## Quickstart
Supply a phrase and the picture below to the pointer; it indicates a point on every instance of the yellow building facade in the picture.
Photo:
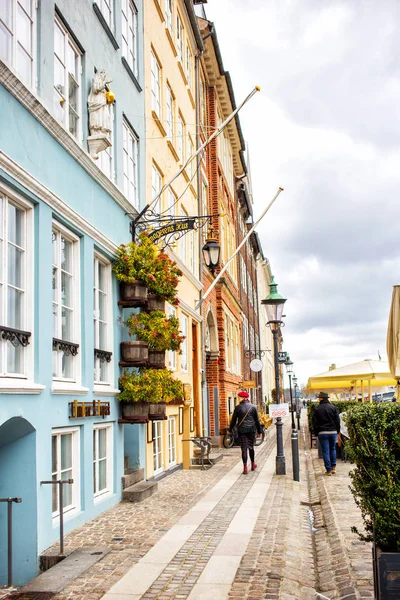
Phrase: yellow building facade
(171, 43)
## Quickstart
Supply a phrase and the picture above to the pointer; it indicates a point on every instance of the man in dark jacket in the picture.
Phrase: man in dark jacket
(326, 425)
(245, 416)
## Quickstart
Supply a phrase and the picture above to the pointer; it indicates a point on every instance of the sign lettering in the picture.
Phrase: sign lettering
(174, 226)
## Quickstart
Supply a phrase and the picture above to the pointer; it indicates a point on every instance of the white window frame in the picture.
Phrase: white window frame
(130, 144)
(11, 29)
(184, 362)
(170, 113)
(75, 294)
(179, 38)
(108, 490)
(63, 97)
(130, 35)
(168, 16)
(157, 447)
(190, 152)
(172, 440)
(26, 314)
(105, 162)
(180, 138)
(74, 507)
(156, 186)
(171, 354)
(189, 67)
(107, 292)
(107, 10)
(156, 85)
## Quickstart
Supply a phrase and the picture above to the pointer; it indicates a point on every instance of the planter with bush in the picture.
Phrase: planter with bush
(374, 447)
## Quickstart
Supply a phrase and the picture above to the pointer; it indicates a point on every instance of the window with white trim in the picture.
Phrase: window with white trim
(171, 354)
(179, 38)
(190, 152)
(168, 15)
(171, 203)
(180, 138)
(130, 34)
(106, 7)
(130, 164)
(67, 80)
(105, 162)
(17, 37)
(102, 459)
(65, 460)
(184, 346)
(245, 332)
(170, 114)
(189, 69)
(14, 271)
(171, 441)
(157, 446)
(65, 303)
(156, 185)
(251, 328)
(155, 85)
(102, 320)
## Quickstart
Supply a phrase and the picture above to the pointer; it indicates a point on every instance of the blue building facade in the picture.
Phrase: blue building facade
(62, 216)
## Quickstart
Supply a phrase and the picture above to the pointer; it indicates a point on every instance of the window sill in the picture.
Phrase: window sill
(104, 390)
(68, 388)
(131, 73)
(159, 10)
(105, 25)
(19, 386)
(174, 152)
(158, 122)
(171, 41)
(105, 496)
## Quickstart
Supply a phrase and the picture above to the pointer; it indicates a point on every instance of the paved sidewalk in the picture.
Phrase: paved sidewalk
(220, 535)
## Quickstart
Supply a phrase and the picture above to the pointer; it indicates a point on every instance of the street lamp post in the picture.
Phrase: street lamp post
(274, 303)
(295, 439)
(298, 409)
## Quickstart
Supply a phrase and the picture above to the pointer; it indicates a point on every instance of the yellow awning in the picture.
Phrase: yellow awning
(375, 373)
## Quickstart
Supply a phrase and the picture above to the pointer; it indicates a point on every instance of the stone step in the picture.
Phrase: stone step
(214, 458)
(139, 491)
(131, 477)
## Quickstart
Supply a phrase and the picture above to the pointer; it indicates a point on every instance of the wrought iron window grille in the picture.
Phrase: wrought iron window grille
(15, 336)
(103, 355)
(69, 348)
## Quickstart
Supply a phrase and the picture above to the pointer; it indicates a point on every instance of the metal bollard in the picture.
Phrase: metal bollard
(295, 456)
(9, 534)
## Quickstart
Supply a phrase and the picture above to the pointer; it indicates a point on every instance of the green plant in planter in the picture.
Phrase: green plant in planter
(160, 332)
(374, 447)
(149, 385)
(146, 262)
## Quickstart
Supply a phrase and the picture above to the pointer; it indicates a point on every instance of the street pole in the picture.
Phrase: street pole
(295, 439)
(280, 465)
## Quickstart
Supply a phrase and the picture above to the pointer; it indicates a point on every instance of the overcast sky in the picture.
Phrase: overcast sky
(325, 127)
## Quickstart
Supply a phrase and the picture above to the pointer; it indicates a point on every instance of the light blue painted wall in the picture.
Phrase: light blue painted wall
(27, 461)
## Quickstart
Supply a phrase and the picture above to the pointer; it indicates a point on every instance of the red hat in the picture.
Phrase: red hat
(243, 395)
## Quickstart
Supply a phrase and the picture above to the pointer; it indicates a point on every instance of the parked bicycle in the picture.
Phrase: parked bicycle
(230, 440)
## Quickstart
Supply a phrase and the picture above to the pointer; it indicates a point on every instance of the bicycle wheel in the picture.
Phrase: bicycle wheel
(259, 440)
(228, 440)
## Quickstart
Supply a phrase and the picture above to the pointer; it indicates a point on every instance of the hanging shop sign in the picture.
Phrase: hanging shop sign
(256, 365)
(282, 356)
(278, 410)
(248, 384)
(172, 227)
(78, 410)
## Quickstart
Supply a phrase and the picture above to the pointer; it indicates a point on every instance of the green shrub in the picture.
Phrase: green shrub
(149, 385)
(374, 446)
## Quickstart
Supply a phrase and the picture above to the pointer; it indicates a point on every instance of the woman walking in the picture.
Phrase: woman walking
(245, 418)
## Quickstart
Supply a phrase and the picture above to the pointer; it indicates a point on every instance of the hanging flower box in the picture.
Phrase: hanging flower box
(155, 303)
(135, 412)
(156, 360)
(134, 353)
(133, 293)
(158, 412)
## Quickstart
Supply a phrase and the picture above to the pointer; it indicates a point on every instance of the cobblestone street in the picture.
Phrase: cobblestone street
(217, 534)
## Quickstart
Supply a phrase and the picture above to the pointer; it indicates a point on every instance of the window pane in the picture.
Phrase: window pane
(55, 321)
(14, 358)
(66, 254)
(14, 309)
(66, 366)
(14, 266)
(102, 443)
(54, 494)
(24, 29)
(102, 336)
(59, 42)
(94, 478)
(66, 289)
(102, 306)
(102, 277)
(102, 475)
(67, 489)
(5, 43)
(66, 451)
(54, 454)
(27, 5)
(66, 329)
(15, 225)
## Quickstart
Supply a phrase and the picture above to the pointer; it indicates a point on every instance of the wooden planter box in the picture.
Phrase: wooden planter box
(157, 412)
(386, 567)
(133, 294)
(156, 360)
(134, 354)
(135, 412)
(155, 303)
